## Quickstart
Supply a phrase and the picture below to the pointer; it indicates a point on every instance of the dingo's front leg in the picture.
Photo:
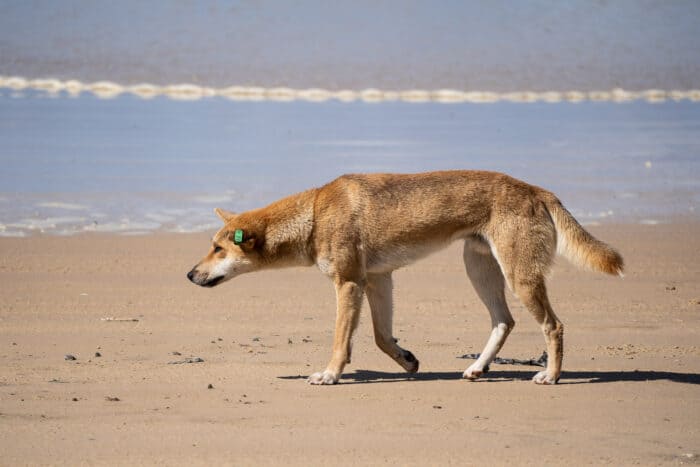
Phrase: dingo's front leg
(349, 295)
(379, 295)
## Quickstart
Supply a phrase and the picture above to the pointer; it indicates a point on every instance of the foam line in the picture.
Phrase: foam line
(109, 89)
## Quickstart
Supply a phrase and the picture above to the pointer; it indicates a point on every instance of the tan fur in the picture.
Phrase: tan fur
(359, 228)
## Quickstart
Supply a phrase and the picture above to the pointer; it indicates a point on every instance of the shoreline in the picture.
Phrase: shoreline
(30, 232)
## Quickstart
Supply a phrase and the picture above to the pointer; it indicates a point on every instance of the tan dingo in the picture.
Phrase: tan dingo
(359, 228)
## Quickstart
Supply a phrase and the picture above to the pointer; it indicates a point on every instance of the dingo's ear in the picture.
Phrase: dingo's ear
(246, 242)
(224, 215)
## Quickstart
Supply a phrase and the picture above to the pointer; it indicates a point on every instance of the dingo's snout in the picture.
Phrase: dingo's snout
(202, 278)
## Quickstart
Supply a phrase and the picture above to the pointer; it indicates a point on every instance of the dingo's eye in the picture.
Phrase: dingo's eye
(217, 248)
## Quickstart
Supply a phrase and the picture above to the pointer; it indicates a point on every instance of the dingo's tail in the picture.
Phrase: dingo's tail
(579, 246)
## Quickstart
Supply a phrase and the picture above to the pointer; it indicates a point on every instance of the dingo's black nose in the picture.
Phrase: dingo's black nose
(190, 275)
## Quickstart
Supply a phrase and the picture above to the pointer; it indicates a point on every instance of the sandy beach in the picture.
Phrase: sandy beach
(124, 124)
(629, 393)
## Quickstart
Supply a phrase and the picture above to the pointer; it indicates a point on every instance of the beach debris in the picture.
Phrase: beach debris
(210, 386)
(289, 340)
(75, 399)
(97, 354)
(542, 361)
(671, 288)
(437, 407)
(187, 360)
(176, 353)
(306, 340)
(112, 399)
(55, 380)
(111, 318)
(256, 339)
(244, 402)
(69, 357)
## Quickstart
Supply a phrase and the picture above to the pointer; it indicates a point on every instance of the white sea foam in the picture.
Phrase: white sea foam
(186, 91)
(59, 205)
(124, 225)
(161, 218)
(191, 228)
(12, 233)
(44, 224)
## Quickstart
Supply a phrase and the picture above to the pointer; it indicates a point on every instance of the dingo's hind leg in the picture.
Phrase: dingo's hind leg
(486, 276)
(533, 294)
(379, 295)
(526, 250)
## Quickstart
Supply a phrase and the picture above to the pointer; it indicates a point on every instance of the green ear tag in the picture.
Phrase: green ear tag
(238, 237)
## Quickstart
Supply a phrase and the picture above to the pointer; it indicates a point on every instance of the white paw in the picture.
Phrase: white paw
(325, 377)
(473, 372)
(543, 378)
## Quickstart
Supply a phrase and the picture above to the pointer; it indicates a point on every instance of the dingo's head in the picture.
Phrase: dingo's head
(233, 252)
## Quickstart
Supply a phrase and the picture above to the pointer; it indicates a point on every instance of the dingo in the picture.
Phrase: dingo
(359, 228)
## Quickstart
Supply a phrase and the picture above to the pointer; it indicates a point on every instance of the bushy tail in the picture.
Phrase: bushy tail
(580, 247)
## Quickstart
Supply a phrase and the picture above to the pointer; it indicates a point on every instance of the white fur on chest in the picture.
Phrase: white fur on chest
(325, 266)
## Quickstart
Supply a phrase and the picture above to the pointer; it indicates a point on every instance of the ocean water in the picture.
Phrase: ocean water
(475, 45)
(133, 166)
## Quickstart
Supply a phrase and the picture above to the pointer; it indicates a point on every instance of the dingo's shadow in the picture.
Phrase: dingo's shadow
(567, 377)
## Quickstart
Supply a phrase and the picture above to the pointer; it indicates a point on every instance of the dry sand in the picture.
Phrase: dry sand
(630, 392)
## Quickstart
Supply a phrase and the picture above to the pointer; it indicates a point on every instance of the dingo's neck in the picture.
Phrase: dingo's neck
(289, 226)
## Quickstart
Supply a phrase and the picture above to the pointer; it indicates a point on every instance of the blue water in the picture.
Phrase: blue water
(131, 165)
(495, 45)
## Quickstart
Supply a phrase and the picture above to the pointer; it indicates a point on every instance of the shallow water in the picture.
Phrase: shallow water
(131, 165)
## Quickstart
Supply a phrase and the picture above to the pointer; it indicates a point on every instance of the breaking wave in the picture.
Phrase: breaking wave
(109, 89)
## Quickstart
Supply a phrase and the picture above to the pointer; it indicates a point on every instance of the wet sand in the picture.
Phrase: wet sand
(629, 394)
